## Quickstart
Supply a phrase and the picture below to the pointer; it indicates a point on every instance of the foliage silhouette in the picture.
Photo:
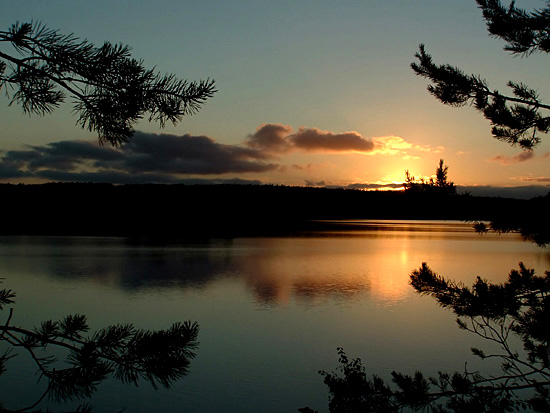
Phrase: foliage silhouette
(154, 207)
(111, 90)
(520, 307)
(521, 123)
(440, 186)
(532, 224)
(520, 118)
(119, 351)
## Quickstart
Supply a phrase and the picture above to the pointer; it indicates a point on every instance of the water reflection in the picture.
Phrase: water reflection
(443, 227)
(271, 310)
(312, 270)
(118, 262)
(145, 269)
(353, 260)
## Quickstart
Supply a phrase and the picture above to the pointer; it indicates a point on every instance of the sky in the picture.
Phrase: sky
(310, 92)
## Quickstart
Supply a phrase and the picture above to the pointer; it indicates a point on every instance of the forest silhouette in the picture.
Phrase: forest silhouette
(179, 211)
(183, 211)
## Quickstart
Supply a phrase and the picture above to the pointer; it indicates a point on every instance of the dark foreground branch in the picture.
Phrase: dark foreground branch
(518, 307)
(119, 351)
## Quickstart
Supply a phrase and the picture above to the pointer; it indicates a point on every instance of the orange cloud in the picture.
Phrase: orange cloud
(395, 145)
(313, 139)
(510, 160)
(392, 145)
(277, 138)
(532, 178)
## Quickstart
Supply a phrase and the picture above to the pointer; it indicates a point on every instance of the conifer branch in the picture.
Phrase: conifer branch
(111, 90)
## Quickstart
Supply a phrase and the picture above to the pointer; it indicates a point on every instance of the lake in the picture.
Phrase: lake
(272, 311)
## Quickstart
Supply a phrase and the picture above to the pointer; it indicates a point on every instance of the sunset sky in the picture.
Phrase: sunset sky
(309, 93)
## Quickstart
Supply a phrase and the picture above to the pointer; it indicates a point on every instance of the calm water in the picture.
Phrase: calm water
(271, 310)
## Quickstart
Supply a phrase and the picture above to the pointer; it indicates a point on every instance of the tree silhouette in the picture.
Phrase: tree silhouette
(519, 118)
(532, 224)
(120, 351)
(440, 186)
(498, 313)
(111, 90)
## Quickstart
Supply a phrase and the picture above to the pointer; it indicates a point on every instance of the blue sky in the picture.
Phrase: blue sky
(322, 67)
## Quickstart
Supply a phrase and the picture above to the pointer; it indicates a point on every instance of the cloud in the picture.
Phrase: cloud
(64, 155)
(313, 139)
(374, 186)
(113, 177)
(146, 158)
(8, 170)
(187, 154)
(270, 137)
(532, 178)
(312, 183)
(166, 158)
(510, 160)
(392, 144)
(278, 138)
(395, 145)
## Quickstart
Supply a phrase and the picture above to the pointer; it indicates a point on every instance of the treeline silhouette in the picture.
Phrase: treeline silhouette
(221, 210)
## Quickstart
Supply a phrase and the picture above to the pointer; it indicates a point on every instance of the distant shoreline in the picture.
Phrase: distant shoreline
(218, 210)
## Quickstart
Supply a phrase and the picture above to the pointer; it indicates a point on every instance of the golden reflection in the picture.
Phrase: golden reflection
(370, 258)
(314, 269)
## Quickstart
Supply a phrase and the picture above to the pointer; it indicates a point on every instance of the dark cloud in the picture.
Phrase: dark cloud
(190, 155)
(371, 186)
(9, 170)
(214, 181)
(112, 177)
(319, 183)
(509, 160)
(146, 158)
(69, 155)
(314, 139)
(278, 138)
(165, 158)
(365, 186)
(125, 178)
(270, 137)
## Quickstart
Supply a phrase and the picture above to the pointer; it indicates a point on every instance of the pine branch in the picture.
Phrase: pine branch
(111, 90)
(517, 125)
